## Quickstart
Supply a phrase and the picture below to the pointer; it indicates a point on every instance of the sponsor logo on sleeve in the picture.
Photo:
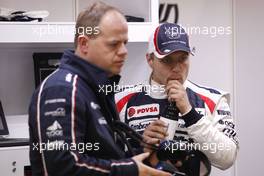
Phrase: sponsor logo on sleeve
(55, 130)
(57, 100)
(223, 112)
(227, 123)
(231, 133)
(59, 112)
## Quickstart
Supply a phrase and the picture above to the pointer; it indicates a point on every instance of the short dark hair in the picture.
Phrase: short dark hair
(91, 17)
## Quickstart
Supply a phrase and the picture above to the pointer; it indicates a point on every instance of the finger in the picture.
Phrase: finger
(159, 123)
(169, 86)
(175, 96)
(173, 81)
(141, 157)
(174, 91)
(154, 134)
(157, 129)
(152, 141)
(175, 87)
(178, 97)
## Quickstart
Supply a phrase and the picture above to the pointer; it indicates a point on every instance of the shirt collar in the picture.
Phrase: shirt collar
(88, 71)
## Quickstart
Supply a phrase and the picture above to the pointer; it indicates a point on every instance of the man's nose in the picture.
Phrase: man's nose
(176, 66)
(122, 50)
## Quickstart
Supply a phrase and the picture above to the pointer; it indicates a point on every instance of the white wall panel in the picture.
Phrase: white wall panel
(249, 85)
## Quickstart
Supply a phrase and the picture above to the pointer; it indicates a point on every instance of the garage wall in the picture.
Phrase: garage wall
(249, 84)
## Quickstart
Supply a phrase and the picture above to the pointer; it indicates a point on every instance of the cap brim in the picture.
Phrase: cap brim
(160, 56)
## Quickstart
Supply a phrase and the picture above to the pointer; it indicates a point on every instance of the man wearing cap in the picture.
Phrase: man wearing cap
(204, 113)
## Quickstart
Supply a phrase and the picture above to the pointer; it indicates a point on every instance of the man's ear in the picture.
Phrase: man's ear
(83, 43)
(150, 58)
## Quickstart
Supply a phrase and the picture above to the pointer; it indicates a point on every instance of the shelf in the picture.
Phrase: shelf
(53, 32)
(19, 40)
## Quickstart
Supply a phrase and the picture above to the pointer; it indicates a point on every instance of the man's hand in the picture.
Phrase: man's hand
(176, 92)
(144, 170)
(154, 133)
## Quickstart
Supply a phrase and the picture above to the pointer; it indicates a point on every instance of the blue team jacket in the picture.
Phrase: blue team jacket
(70, 118)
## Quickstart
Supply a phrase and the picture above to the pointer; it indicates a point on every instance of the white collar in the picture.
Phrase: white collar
(156, 90)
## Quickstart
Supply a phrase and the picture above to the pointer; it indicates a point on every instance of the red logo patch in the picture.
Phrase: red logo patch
(143, 110)
(131, 112)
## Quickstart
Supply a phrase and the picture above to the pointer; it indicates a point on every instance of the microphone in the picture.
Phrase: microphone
(170, 117)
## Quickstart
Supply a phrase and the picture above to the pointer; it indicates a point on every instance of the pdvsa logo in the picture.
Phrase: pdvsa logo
(143, 110)
(131, 112)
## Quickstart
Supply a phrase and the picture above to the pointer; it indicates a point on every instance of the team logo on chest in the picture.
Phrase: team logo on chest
(143, 110)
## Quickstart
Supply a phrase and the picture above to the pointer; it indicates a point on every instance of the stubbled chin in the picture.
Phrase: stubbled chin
(116, 71)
